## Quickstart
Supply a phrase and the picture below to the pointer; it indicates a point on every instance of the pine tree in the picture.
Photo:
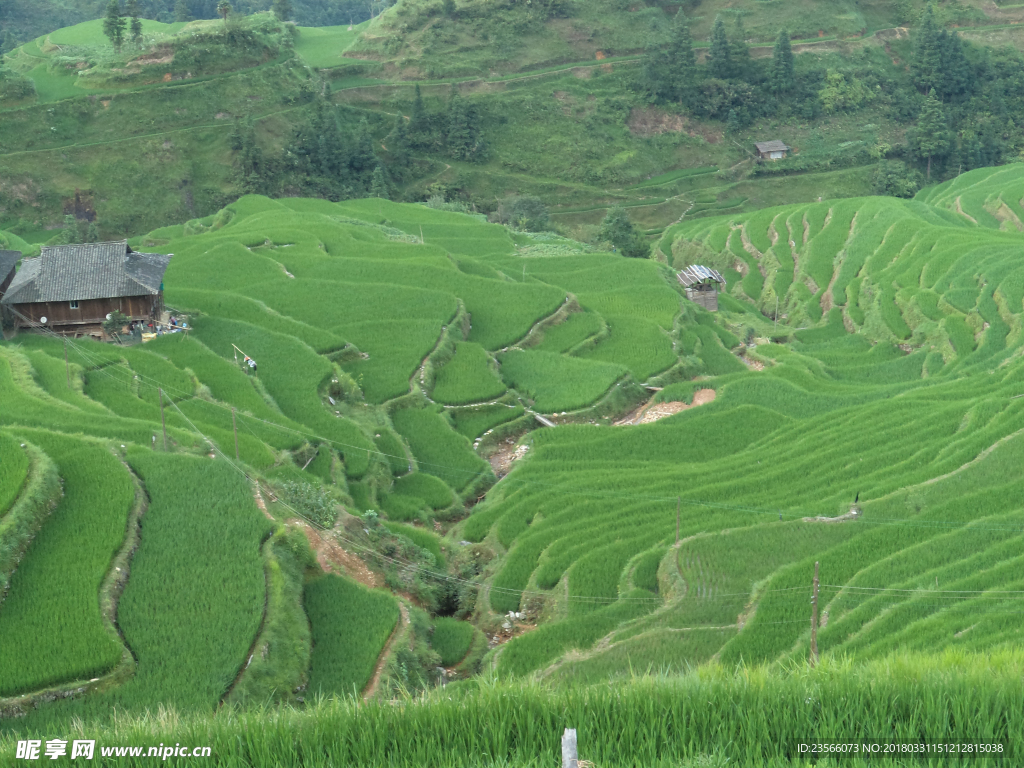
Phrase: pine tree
(397, 143)
(114, 24)
(927, 56)
(681, 63)
(459, 139)
(379, 184)
(282, 9)
(956, 75)
(131, 9)
(419, 121)
(363, 159)
(930, 138)
(720, 56)
(780, 74)
(742, 64)
(181, 11)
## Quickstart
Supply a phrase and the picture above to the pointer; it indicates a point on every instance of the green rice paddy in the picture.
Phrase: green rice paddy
(876, 429)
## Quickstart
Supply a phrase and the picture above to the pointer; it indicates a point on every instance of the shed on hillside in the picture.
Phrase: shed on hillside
(76, 285)
(771, 150)
(701, 284)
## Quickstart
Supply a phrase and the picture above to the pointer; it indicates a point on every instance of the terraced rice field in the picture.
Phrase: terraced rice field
(875, 426)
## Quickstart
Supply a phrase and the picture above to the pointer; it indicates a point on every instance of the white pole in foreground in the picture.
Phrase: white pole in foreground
(570, 758)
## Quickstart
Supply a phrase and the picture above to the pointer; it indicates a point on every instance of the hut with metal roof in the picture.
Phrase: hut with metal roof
(79, 285)
(771, 150)
(701, 284)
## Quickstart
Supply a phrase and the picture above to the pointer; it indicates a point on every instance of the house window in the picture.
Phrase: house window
(74, 305)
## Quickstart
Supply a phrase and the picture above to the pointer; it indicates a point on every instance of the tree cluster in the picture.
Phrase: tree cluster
(732, 86)
(454, 131)
(324, 158)
(625, 237)
(121, 24)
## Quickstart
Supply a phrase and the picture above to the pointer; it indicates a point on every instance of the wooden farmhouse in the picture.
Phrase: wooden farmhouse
(8, 260)
(771, 150)
(701, 284)
(79, 285)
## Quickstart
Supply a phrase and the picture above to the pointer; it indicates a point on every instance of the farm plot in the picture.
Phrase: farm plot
(350, 626)
(13, 470)
(438, 450)
(468, 377)
(51, 628)
(555, 382)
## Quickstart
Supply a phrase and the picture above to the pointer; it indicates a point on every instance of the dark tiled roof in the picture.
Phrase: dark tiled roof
(771, 146)
(7, 261)
(82, 272)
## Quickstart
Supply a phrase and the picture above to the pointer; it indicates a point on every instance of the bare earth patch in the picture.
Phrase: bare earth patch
(652, 412)
(371, 687)
(503, 459)
(333, 558)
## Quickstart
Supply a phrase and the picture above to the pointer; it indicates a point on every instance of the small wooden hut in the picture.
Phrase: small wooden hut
(771, 150)
(79, 285)
(701, 284)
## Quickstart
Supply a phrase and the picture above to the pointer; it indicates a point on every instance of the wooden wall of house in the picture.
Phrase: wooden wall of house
(705, 298)
(91, 311)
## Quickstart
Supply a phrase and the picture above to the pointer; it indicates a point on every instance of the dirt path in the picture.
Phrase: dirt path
(652, 412)
(334, 558)
(371, 687)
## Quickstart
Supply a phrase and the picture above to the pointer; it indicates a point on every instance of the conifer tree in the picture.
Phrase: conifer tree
(419, 121)
(181, 11)
(282, 9)
(780, 74)
(680, 59)
(397, 143)
(742, 64)
(131, 9)
(927, 57)
(930, 138)
(379, 184)
(720, 56)
(114, 24)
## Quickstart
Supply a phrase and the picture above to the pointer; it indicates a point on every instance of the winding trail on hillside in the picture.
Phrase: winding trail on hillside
(378, 670)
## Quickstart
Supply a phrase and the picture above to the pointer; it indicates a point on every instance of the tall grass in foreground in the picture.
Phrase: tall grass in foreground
(754, 716)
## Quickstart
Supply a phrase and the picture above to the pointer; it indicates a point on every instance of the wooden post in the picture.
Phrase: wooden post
(776, 314)
(67, 368)
(163, 421)
(679, 507)
(570, 757)
(814, 619)
(234, 426)
(422, 241)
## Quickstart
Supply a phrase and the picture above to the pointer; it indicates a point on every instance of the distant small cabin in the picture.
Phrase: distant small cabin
(79, 285)
(701, 284)
(771, 150)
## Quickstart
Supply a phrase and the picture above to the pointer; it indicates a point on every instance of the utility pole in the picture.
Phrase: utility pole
(234, 426)
(679, 507)
(163, 421)
(67, 368)
(814, 619)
